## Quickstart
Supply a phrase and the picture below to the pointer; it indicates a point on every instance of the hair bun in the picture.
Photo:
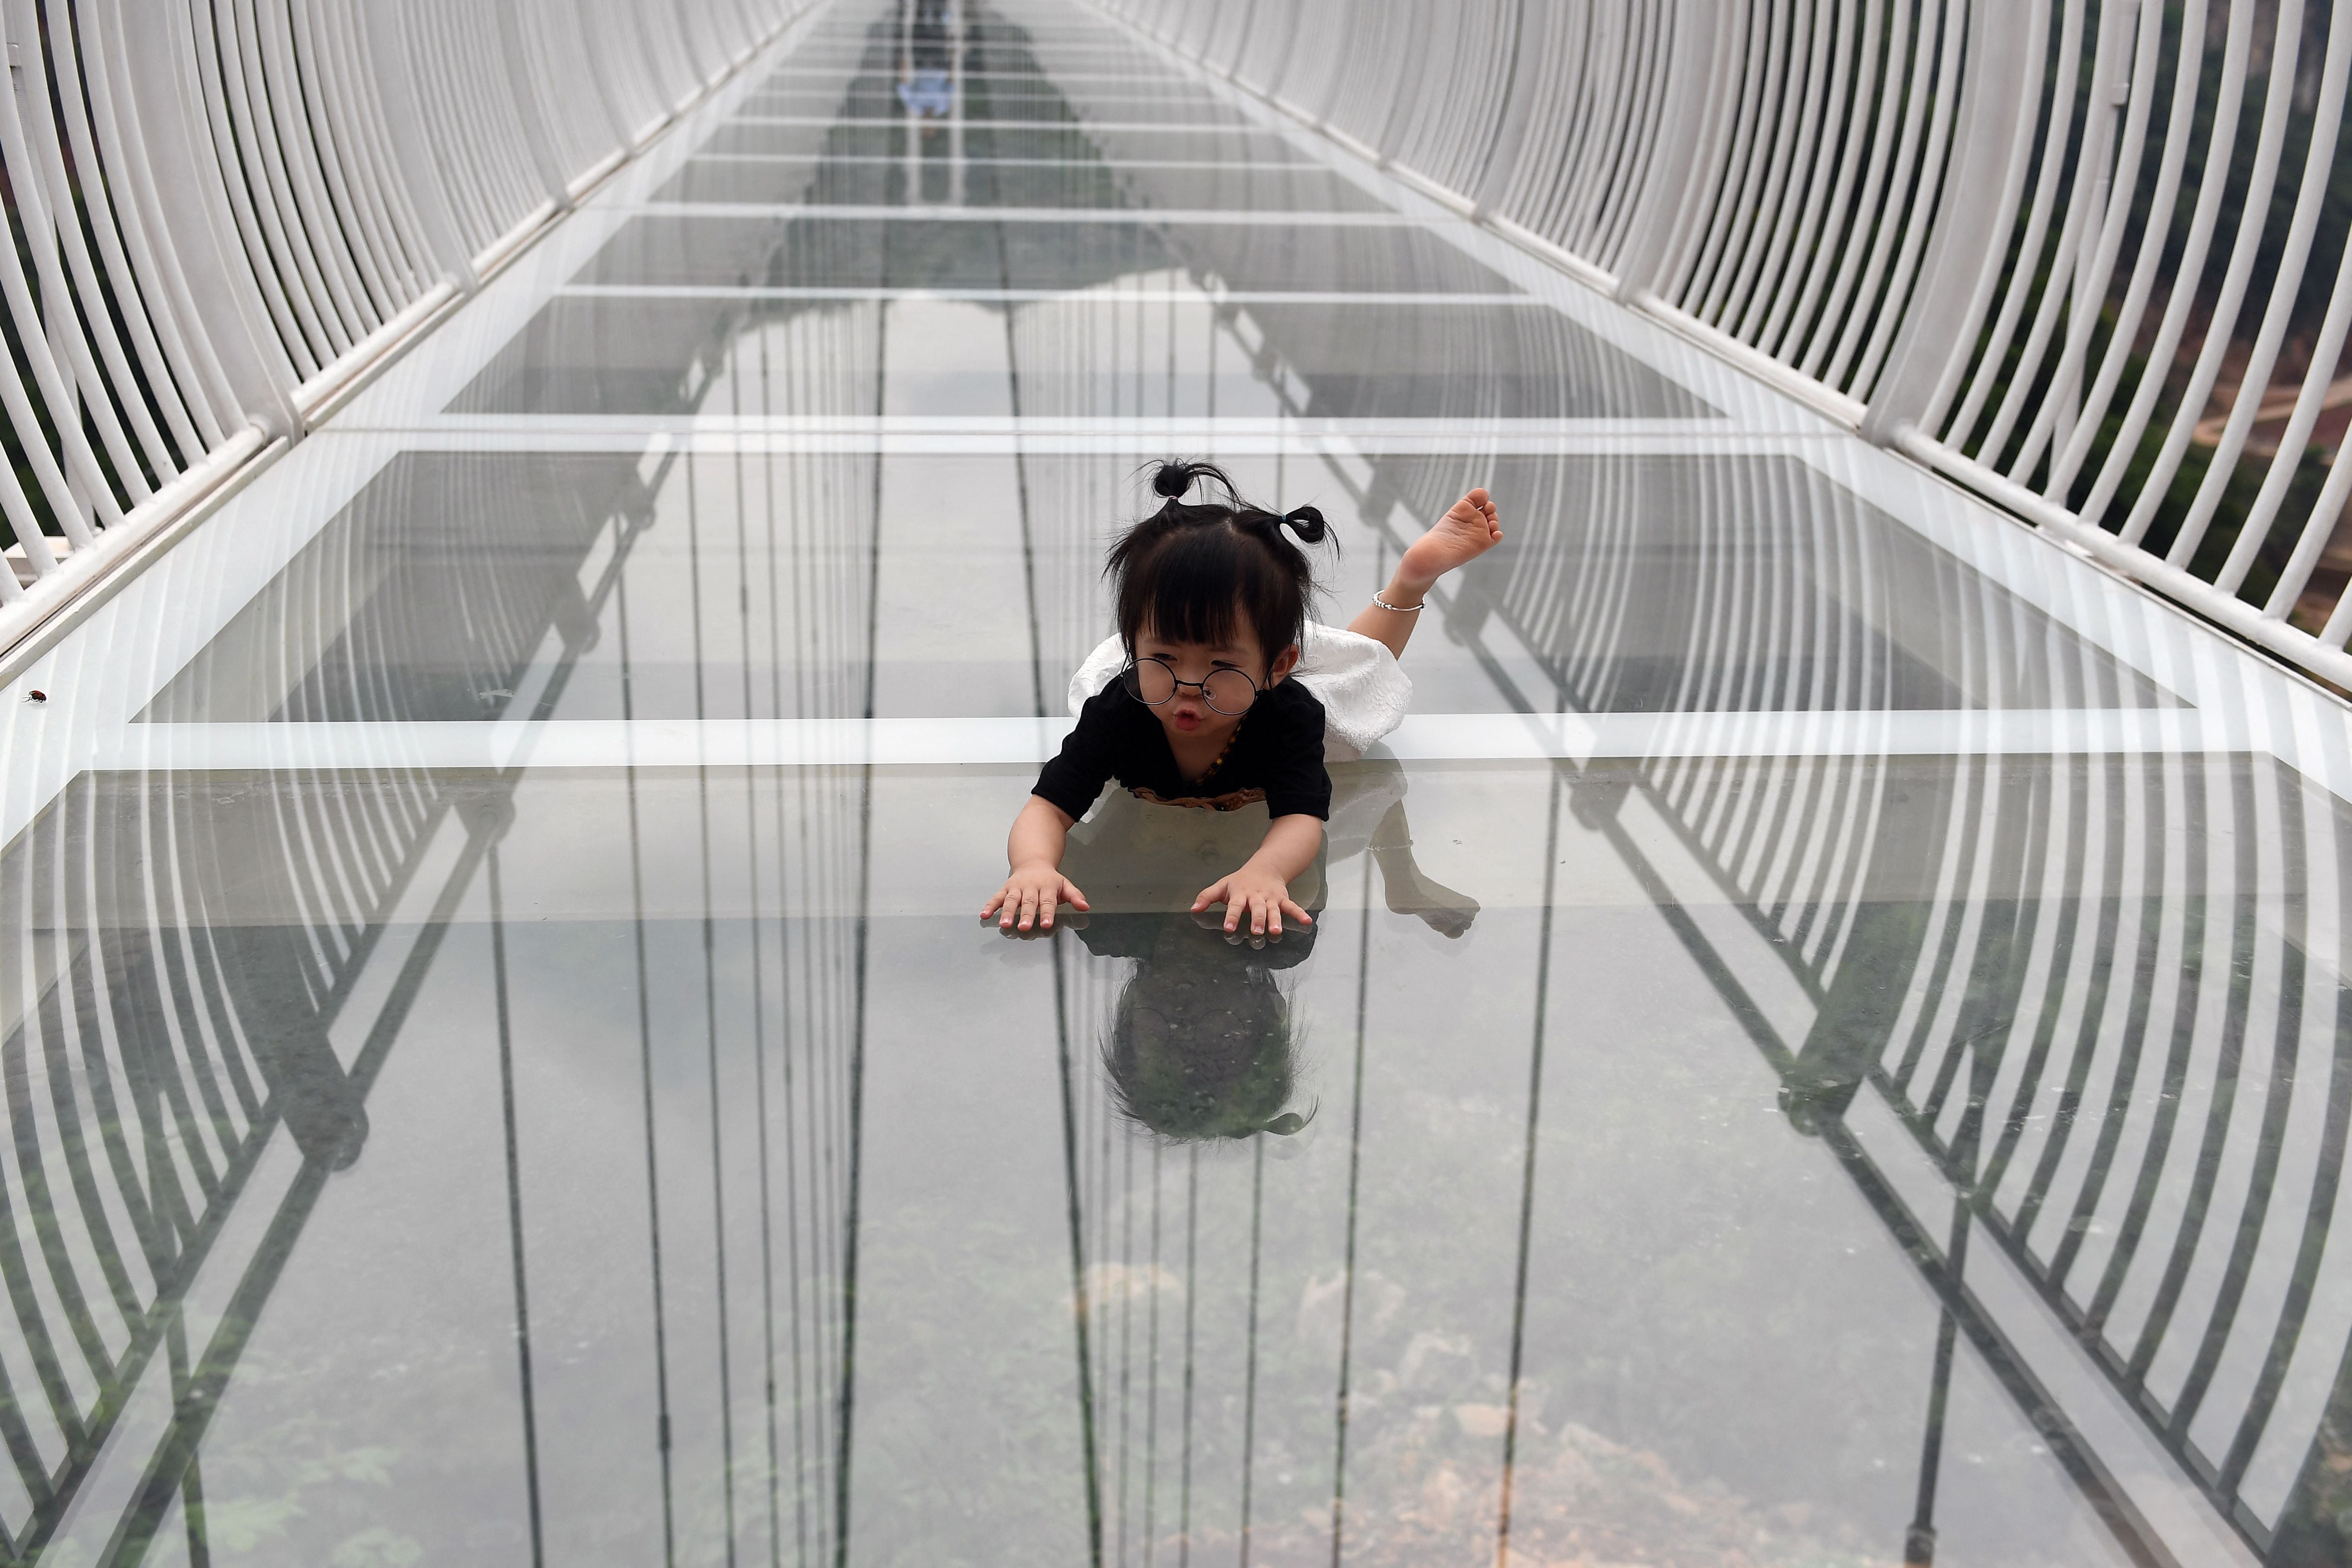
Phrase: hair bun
(1173, 478)
(1309, 524)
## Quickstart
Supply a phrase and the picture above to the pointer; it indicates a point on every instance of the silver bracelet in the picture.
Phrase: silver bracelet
(1400, 609)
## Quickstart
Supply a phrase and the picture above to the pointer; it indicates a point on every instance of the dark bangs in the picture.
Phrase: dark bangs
(1202, 584)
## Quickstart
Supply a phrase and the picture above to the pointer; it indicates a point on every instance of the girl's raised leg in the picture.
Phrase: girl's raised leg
(1467, 530)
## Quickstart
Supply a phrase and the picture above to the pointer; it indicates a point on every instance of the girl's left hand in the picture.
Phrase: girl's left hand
(1260, 896)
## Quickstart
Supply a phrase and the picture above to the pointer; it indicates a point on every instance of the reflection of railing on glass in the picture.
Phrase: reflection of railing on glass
(202, 939)
(161, 1027)
(2088, 257)
(2126, 1061)
(186, 943)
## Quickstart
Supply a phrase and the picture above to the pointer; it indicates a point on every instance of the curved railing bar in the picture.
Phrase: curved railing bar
(614, 129)
(154, 271)
(432, 215)
(2108, 225)
(362, 219)
(2049, 305)
(2285, 282)
(1990, 117)
(58, 195)
(1797, 305)
(537, 134)
(1764, 159)
(299, 155)
(293, 298)
(1894, 246)
(2270, 145)
(56, 352)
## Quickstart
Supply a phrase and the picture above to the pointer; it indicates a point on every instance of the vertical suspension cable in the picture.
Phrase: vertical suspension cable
(1355, 1170)
(1081, 1306)
(1249, 1374)
(1191, 1300)
(1528, 1175)
(710, 1010)
(514, 1202)
(646, 1069)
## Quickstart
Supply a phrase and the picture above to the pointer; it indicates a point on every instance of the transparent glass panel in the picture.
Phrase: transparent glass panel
(1822, 1040)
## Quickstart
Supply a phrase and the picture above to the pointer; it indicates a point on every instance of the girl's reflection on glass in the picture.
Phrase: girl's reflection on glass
(1200, 1043)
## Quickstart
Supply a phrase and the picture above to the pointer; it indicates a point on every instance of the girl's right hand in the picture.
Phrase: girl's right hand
(1028, 897)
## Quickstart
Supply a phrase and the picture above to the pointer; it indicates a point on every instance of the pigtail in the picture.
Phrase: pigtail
(1172, 480)
(1306, 523)
(1309, 524)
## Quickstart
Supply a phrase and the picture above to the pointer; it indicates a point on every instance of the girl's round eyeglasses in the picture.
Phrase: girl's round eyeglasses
(1152, 681)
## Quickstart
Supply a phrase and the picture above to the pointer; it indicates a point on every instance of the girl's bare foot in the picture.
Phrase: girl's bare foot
(1440, 908)
(1467, 530)
(1410, 893)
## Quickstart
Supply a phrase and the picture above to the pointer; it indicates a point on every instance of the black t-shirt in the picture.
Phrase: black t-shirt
(1276, 756)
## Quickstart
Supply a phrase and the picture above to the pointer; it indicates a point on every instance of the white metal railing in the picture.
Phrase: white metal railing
(2086, 257)
(224, 211)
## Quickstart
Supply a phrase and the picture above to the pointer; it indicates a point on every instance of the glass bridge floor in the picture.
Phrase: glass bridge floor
(1825, 1043)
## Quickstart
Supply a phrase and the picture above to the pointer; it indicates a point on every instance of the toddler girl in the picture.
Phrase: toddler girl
(1203, 710)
